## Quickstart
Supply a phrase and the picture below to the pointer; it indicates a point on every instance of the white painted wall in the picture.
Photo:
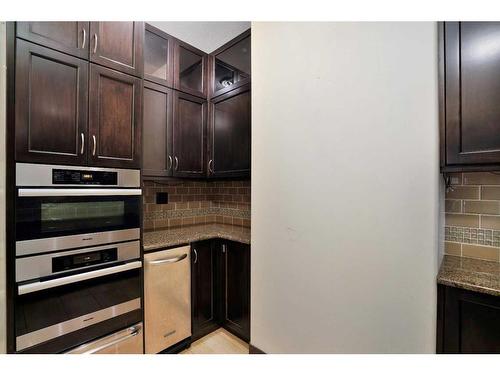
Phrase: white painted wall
(3, 71)
(344, 187)
(207, 36)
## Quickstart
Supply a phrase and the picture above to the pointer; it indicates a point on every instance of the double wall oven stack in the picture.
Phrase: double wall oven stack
(78, 260)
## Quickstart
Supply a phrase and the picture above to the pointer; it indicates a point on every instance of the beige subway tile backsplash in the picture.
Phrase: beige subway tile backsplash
(197, 202)
(453, 205)
(462, 220)
(472, 215)
(481, 252)
(481, 178)
(453, 248)
(463, 192)
(490, 222)
(490, 192)
(482, 207)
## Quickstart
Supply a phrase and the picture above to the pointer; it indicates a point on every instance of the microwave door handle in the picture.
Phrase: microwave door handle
(168, 260)
(134, 332)
(42, 285)
(76, 192)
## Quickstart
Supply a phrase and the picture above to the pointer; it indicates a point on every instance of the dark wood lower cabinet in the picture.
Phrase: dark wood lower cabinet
(467, 322)
(236, 288)
(220, 288)
(205, 288)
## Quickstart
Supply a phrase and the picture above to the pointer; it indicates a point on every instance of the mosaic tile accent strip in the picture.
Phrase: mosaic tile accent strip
(487, 237)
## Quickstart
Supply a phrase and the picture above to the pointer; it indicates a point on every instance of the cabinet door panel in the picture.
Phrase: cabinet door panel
(230, 65)
(472, 93)
(157, 128)
(51, 106)
(158, 56)
(470, 322)
(118, 45)
(189, 135)
(68, 37)
(236, 288)
(190, 70)
(230, 134)
(205, 288)
(115, 118)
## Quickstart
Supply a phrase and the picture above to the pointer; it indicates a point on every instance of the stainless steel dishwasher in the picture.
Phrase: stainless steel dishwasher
(167, 298)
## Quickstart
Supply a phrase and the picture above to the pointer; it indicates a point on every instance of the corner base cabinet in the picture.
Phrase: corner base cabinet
(468, 322)
(220, 291)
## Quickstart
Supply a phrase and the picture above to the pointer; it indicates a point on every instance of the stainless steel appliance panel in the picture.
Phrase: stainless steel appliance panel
(29, 268)
(167, 298)
(127, 341)
(41, 175)
(45, 245)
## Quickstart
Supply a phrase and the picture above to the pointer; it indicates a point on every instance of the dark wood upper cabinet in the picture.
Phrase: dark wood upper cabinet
(189, 135)
(230, 134)
(115, 118)
(157, 158)
(469, 95)
(236, 288)
(205, 288)
(230, 65)
(118, 45)
(51, 106)
(68, 37)
(158, 56)
(190, 69)
(468, 322)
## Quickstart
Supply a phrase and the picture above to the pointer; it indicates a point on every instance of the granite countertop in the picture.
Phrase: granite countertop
(471, 274)
(157, 239)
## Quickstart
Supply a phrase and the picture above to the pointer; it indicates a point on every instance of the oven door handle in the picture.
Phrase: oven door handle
(76, 192)
(134, 331)
(42, 285)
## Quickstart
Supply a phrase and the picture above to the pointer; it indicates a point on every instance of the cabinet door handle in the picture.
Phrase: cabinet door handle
(195, 256)
(210, 166)
(170, 163)
(84, 37)
(94, 146)
(83, 143)
(224, 248)
(176, 163)
(95, 42)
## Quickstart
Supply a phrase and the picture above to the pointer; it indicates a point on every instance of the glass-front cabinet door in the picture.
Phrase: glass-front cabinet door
(190, 70)
(231, 64)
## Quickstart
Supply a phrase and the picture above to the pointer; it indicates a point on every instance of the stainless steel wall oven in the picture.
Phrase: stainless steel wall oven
(78, 263)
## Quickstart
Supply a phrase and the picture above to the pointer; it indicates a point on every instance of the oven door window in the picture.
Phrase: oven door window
(44, 217)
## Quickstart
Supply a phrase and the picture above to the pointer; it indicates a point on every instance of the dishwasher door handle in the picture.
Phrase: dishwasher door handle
(168, 260)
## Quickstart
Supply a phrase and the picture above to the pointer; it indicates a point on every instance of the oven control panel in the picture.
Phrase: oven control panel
(81, 177)
(71, 262)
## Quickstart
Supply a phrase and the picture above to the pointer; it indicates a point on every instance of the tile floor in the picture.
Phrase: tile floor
(218, 342)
